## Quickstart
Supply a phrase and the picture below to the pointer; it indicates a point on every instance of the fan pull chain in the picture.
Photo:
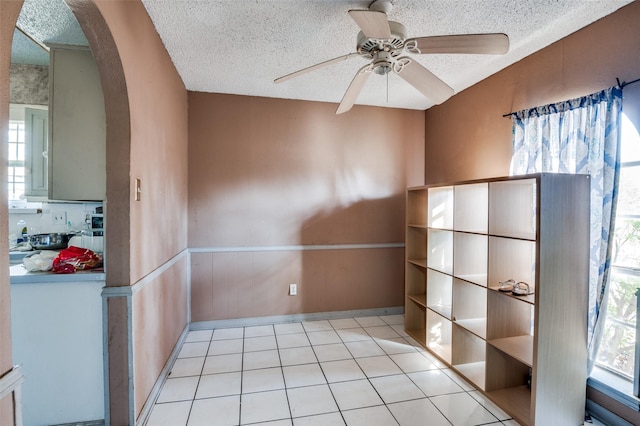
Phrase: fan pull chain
(387, 88)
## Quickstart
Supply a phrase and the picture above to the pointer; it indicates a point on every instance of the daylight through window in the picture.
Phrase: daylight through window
(16, 166)
(617, 348)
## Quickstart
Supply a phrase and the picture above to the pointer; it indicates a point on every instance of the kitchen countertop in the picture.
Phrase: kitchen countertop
(20, 275)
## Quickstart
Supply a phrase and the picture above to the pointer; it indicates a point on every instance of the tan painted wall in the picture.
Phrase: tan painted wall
(273, 173)
(467, 137)
(9, 11)
(158, 319)
(146, 106)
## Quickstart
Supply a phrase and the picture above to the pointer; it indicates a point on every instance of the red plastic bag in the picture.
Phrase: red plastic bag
(74, 259)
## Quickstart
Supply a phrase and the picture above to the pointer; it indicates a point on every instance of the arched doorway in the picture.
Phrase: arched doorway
(118, 134)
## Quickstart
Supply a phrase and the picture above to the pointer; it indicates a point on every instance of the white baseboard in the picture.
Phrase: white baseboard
(157, 387)
(279, 319)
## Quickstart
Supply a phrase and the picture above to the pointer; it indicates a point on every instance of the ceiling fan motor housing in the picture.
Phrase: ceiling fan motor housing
(383, 51)
(368, 47)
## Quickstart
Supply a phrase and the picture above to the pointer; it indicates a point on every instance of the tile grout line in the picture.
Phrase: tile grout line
(439, 366)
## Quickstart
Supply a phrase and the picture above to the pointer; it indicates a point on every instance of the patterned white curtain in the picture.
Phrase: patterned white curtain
(579, 136)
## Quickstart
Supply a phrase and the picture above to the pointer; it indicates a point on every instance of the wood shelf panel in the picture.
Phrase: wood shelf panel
(473, 372)
(420, 299)
(417, 226)
(418, 334)
(519, 347)
(422, 263)
(480, 279)
(444, 310)
(514, 401)
(477, 326)
(530, 299)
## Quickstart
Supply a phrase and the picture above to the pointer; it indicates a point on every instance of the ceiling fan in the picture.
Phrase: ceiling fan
(384, 43)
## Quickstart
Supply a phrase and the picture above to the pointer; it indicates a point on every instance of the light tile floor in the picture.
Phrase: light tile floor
(358, 371)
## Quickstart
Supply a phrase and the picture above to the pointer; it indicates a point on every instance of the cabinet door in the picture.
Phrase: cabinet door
(77, 146)
(36, 131)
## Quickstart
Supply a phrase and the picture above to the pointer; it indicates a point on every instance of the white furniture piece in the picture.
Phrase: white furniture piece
(77, 125)
(57, 336)
(527, 353)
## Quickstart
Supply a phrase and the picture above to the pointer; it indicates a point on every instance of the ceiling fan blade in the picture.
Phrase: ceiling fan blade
(494, 44)
(422, 79)
(354, 89)
(374, 24)
(314, 67)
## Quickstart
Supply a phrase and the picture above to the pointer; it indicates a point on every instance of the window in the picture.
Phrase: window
(616, 354)
(16, 166)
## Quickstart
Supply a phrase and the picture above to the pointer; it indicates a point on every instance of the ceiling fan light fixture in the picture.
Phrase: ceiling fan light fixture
(382, 69)
(382, 63)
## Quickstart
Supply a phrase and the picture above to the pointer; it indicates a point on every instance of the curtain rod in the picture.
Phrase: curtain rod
(620, 85)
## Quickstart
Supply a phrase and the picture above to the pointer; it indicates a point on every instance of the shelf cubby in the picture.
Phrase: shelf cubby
(415, 321)
(470, 257)
(512, 208)
(417, 207)
(468, 355)
(416, 247)
(511, 259)
(440, 250)
(470, 307)
(439, 335)
(507, 316)
(415, 283)
(506, 384)
(440, 208)
(471, 208)
(439, 292)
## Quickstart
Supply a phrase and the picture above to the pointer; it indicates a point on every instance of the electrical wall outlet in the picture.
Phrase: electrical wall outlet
(293, 289)
(59, 218)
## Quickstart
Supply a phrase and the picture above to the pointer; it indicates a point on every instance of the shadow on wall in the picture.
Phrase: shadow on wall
(354, 258)
(255, 283)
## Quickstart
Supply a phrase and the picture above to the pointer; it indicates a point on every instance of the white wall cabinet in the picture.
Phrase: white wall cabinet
(77, 139)
(527, 353)
(36, 124)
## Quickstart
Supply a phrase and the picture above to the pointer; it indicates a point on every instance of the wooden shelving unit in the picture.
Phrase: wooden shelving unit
(416, 265)
(525, 353)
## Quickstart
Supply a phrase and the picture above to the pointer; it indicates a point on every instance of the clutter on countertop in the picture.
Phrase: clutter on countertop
(74, 259)
(39, 261)
(23, 246)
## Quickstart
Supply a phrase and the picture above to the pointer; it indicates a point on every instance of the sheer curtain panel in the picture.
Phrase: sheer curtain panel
(579, 136)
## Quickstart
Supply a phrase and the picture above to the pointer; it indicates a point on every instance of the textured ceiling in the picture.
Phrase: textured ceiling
(241, 46)
(46, 22)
